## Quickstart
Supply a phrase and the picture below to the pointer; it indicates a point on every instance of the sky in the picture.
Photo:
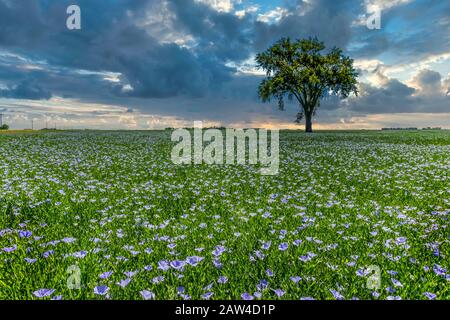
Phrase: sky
(151, 64)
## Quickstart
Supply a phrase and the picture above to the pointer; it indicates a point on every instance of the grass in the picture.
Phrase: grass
(114, 202)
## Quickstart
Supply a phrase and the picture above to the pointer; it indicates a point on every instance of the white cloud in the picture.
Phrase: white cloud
(159, 21)
(246, 67)
(367, 64)
(72, 114)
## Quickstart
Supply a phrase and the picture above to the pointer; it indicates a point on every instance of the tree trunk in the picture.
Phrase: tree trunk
(308, 122)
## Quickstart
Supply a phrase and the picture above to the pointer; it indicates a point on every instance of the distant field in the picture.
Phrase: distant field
(137, 226)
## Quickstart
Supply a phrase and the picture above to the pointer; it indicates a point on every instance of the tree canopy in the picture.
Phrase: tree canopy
(302, 71)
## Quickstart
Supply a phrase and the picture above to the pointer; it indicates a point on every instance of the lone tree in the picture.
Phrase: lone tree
(299, 70)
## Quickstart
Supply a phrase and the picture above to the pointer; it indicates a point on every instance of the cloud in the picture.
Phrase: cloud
(247, 10)
(219, 5)
(446, 85)
(393, 96)
(405, 35)
(385, 4)
(428, 83)
(328, 20)
(111, 41)
(273, 16)
(26, 90)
